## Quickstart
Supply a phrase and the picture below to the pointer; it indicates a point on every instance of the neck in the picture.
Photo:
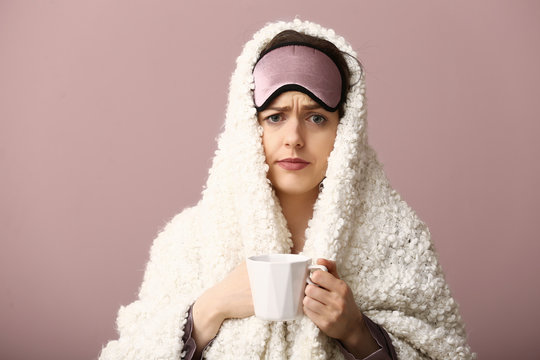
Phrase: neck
(298, 210)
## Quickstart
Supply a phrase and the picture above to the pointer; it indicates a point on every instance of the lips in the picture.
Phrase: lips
(293, 163)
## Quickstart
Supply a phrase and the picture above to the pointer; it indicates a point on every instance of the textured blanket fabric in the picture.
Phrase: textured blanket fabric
(383, 250)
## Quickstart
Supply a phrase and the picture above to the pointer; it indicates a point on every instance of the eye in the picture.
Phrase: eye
(275, 118)
(317, 119)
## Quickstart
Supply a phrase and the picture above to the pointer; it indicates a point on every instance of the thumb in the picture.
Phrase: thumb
(330, 265)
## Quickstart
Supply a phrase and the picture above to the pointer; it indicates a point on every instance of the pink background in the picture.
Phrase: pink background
(109, 111)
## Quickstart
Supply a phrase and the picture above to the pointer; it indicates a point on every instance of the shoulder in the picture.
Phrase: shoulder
(178, 234)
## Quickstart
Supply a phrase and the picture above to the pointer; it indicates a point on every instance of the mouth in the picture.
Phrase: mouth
(293, 163)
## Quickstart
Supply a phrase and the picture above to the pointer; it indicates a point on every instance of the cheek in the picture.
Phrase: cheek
(265, 145)
(326, 145)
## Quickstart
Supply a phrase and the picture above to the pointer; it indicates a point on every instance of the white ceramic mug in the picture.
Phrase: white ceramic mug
(277, 284)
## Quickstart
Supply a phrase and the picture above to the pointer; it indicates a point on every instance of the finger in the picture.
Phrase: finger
(320, 294)
(326, 280)
(320, 320)
(330, 265)
(313, 305)
(315, 317)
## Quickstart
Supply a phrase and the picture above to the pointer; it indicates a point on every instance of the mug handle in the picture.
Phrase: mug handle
(317, 267)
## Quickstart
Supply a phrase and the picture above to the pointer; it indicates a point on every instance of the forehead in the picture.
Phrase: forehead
(289, 97)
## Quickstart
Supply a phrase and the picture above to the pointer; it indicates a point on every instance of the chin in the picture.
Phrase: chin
(296, 189)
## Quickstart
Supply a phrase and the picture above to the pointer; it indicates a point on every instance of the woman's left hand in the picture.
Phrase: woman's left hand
(332, 308)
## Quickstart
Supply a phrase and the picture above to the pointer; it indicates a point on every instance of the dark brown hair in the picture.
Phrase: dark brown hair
(291, 36)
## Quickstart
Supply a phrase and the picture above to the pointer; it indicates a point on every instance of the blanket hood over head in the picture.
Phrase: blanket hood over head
(382, 249)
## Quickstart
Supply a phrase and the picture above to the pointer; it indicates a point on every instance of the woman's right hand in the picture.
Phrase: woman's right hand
(233, 294)
(230, 298)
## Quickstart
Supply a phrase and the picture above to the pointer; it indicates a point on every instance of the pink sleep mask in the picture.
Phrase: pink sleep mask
(297, 67)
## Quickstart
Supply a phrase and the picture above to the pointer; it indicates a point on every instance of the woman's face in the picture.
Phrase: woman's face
(297, 139)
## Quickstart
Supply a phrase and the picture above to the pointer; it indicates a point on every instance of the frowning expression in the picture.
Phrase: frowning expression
(298, 136)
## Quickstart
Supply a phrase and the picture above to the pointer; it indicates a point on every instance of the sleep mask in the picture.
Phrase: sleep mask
(297, 67)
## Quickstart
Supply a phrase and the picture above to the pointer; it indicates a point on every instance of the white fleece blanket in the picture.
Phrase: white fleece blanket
(383, 250)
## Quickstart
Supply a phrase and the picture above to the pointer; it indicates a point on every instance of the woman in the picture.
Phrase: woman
(294, 173)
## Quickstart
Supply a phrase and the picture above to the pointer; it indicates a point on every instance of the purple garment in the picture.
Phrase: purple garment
(189, 342)
(386, 349)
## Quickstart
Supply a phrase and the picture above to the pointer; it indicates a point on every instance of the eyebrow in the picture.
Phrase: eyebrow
(288, 108)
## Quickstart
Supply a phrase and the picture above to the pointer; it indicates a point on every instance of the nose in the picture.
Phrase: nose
(293, 134)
